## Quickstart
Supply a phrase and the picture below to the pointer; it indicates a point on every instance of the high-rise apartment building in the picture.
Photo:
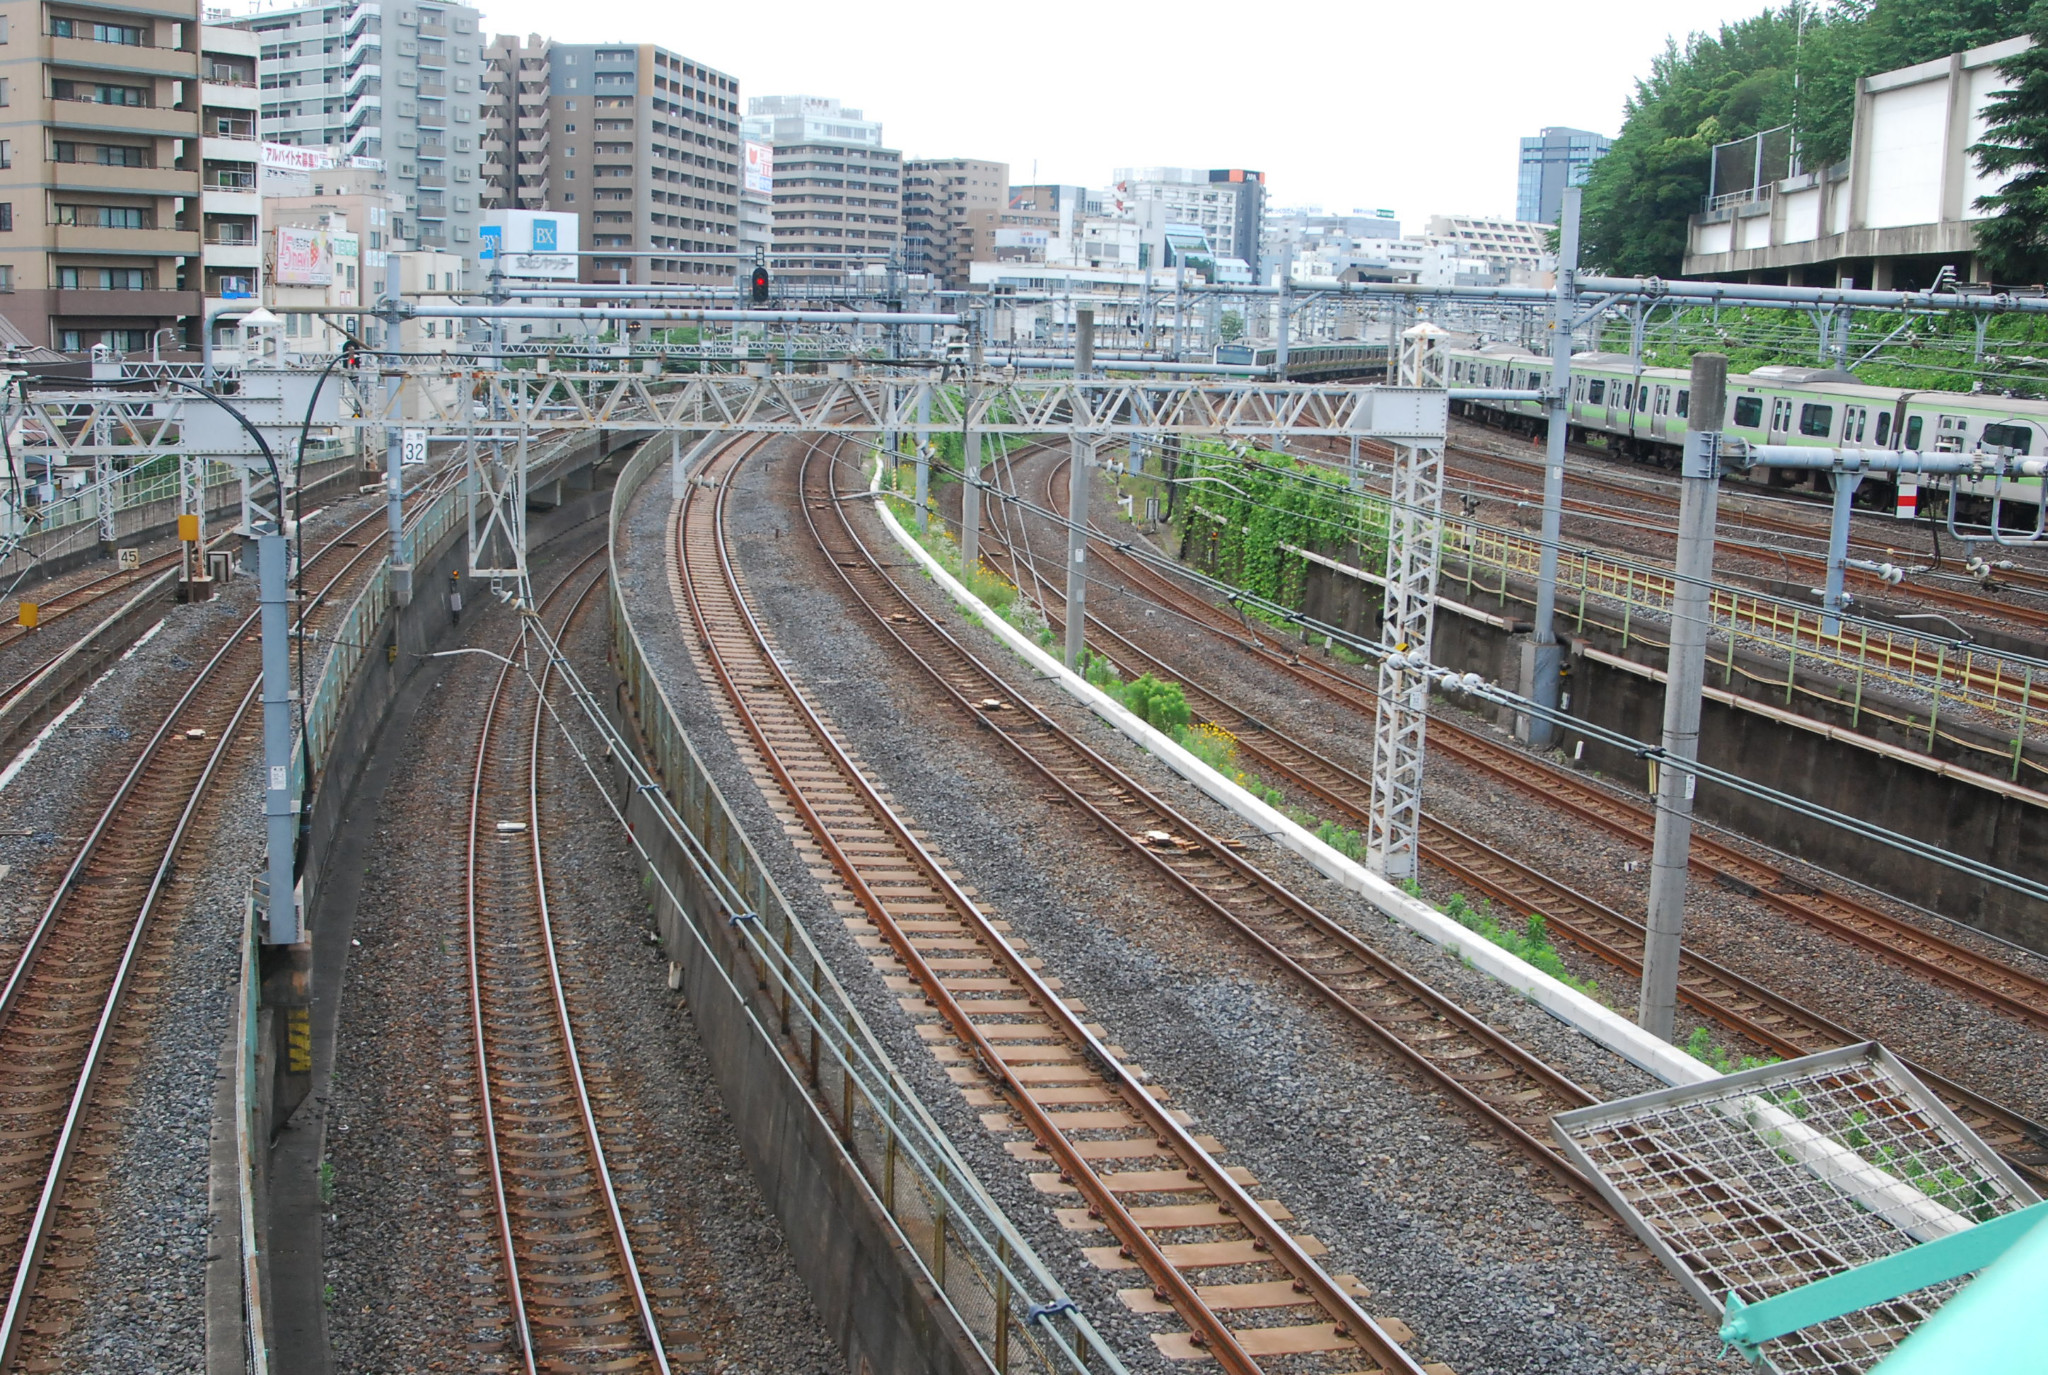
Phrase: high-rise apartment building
(952, 208)
(643, 144)
(1551, 161)
(100, 117)
(399, 82)
(514, 117)
(837, 192)
(1228, 204)
(230, 172)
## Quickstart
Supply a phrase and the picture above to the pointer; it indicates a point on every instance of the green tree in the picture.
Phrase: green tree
(2013, 243)
(1714, 88)
(1231, 326)
(1799, 66)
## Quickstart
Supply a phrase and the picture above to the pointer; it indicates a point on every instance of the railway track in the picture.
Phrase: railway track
(1513, 1091)
(1807, 565)
(82, 595)
(568, 1240)
(74, 1002)
(1733, 1002)
(1924, 953)
(1170, 1208)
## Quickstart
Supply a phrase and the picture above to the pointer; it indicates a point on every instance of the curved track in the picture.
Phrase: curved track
(1170, 1207)
(1924, 953)
(63, 1004)
(1738, 1004)
(575, 1286)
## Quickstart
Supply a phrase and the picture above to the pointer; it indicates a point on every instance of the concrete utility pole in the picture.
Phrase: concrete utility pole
(1083, 458)
(924, 456)
(1544, 679)
(970, 459)
(272, 565)
(1685, 675)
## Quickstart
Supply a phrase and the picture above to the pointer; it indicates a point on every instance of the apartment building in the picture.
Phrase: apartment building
(517, 156)
(647, 147)
(1512, 246)
(399, 82)
(100, 118)
(952, 208)
(313, 258)
(1228, 204)
(837, 193)
(230, 171)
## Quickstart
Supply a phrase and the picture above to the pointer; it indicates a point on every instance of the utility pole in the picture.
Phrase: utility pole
(272, 569)
(924, 456)
(1544, 679)
(970, 456)
(1684, 677)
(1280, 342)
(1414, 551)
(1080, 460)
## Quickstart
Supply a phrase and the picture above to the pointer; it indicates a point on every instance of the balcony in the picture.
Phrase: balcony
(131, 58)
(433, 30)
(143, 181)
(96, 118)
(433, 150)
(152, 243)
(76, 307)
(216, 202)
(432, 179)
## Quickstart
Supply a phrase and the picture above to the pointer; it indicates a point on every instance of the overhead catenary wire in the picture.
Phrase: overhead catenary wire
(1500, 696)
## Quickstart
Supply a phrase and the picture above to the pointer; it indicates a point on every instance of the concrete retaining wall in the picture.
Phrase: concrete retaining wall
(1999, 829)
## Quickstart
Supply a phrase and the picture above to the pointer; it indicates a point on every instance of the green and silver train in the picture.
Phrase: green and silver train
(1640, 413)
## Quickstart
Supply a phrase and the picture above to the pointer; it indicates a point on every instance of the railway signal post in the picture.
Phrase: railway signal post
(1684, 680)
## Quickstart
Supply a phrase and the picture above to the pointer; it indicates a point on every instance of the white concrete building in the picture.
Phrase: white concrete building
(1900, 208)
(230, 200)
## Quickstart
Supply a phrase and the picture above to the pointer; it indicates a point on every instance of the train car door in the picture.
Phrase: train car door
(1854, 420)
(1660, 413)
(1781, 416)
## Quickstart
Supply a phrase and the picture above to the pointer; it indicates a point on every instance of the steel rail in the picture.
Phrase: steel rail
(22, 1288)
(1215, 1337)
(1053, 739)
(571, 1055)
(488, 739)
(1931, 956)
(83, 595)
(1714, 991)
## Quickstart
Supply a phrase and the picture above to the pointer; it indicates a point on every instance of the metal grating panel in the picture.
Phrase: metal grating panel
(1760, 1182)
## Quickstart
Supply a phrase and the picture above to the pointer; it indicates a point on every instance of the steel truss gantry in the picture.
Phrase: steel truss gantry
(1414, 539)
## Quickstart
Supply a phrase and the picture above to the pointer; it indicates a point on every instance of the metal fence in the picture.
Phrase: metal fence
(2001, 688)
(973, 1256)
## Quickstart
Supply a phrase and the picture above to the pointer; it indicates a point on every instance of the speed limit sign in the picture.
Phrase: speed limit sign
(413, 449)
(131, 559)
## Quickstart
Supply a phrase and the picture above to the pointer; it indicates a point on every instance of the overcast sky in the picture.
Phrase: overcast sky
(1415, 105)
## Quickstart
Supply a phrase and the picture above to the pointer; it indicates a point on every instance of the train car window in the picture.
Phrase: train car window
(1749, 410)
(1913, 431)
(1642, 398)
(1685, 402)
(1596, 391)
(1884, 428)
(2014, 437)
(1816, 420)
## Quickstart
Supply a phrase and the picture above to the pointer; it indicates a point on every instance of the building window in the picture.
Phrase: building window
(6, 216)
(104, 216)
(97, 33)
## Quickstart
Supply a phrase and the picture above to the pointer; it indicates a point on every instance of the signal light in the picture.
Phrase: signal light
(760, 284)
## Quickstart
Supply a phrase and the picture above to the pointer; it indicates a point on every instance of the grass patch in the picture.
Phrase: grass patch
(1702, 1047)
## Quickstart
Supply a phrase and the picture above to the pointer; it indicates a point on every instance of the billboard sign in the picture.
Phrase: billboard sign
(760, 177)
(558, 266)
(530, 243)
(286, 169)
(305, 257)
